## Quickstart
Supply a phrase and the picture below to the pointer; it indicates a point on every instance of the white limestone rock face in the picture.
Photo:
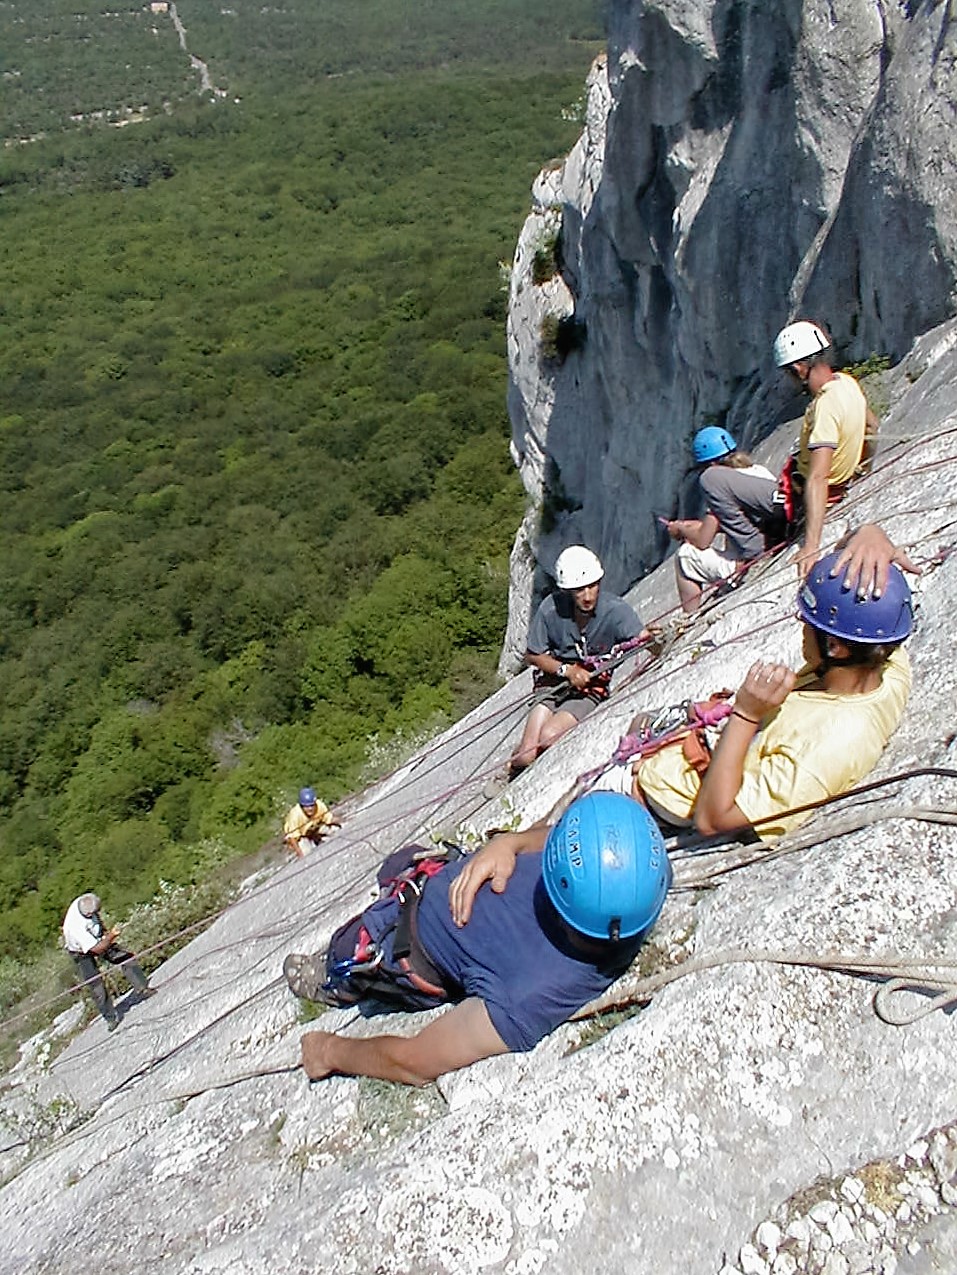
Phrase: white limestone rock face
(740, 163)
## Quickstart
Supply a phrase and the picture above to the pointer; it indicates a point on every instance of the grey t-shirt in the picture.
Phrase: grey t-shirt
(742, 501)
(555, 630)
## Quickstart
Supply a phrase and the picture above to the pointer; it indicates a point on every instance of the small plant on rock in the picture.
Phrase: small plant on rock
(546, 260)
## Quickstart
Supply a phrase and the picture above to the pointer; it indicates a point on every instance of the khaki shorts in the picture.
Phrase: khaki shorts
(621, 779)
(579, 706)
(705, 566)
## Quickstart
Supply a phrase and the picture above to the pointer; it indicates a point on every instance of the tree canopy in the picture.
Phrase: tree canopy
(256, 492)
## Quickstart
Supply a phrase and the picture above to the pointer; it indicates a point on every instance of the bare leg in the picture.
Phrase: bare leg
(689, 591)
(530, 744)
(559, 724)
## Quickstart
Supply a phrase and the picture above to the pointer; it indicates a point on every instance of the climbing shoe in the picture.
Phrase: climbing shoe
(305, 976)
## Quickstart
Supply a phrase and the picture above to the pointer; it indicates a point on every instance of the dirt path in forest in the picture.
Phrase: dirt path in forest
(205, 83)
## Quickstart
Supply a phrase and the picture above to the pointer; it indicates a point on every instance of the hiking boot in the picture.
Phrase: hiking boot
(112, 1024)
(305, 976)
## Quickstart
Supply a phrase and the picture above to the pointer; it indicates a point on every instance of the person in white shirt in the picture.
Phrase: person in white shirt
(85, 937)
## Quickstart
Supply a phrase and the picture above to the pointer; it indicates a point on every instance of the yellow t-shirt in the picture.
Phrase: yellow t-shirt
(299, 824)
(815, 745)
(835, 418)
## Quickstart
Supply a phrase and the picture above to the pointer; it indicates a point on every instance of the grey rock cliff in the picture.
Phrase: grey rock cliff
(740, 163)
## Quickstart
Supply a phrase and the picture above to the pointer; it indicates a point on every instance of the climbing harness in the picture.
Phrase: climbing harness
(789, 496)
(551, 686)
(688, 720)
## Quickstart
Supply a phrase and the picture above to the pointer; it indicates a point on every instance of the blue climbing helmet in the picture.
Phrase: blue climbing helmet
(605, 868)
(307, 797)
(829, 606)
(712, 443)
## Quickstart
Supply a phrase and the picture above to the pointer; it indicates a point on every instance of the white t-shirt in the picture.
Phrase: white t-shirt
(81, 933)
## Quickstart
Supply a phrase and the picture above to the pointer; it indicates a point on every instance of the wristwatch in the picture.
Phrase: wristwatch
(562, 670)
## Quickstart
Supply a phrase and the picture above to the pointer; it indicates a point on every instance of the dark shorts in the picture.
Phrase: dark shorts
(579, 706)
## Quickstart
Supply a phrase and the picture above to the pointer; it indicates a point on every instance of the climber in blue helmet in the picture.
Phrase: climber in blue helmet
(307, 822)
(740, 518)
(797, 738)
(581, 898)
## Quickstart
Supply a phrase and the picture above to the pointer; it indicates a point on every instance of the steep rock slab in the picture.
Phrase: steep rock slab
(661, 1145)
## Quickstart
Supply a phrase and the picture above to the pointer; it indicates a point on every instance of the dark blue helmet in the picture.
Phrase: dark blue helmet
(307, 797)
(828, 606)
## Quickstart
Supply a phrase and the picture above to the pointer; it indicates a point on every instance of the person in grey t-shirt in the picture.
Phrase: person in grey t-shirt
(741, 517)
(577, 621)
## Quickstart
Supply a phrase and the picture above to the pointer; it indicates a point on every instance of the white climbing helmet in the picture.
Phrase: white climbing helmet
(799, 341)
(577, 567)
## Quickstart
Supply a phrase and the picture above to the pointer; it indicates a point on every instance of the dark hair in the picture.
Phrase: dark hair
(860, 654)
(825, 357)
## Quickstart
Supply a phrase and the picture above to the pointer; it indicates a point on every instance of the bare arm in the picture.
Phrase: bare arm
(866, 555)
(699, 532)
(815, 507)
(106, 942)
(495, 862)
(461, 1036)
(765, 688)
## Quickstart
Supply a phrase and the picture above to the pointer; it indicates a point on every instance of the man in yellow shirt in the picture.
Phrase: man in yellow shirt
(307, 823)
(794, 738)
(836, 433)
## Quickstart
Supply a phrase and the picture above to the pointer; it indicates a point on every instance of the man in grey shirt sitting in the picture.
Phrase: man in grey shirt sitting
(577, 621)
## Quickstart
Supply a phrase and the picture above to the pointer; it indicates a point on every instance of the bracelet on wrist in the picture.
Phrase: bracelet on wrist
(755, 721)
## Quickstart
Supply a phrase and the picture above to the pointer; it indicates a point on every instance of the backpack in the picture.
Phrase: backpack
(376, 954)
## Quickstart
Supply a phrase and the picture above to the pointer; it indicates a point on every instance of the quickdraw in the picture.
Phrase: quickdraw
(611, 659)
(601, 668)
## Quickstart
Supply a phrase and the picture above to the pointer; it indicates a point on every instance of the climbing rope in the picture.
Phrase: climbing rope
(903, 974)
(484, 724)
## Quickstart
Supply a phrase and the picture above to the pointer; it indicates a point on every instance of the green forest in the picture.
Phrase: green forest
(257, 500)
